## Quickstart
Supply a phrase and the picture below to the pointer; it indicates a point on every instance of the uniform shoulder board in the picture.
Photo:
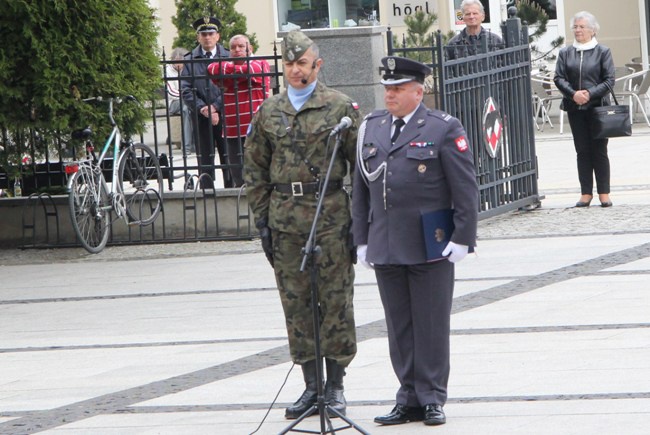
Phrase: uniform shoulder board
(376, 113)
(441, 115)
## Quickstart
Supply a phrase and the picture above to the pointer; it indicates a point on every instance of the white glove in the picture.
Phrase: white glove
(455, 252)
(361, 257)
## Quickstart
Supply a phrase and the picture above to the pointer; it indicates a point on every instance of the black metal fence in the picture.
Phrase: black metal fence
(489, 92)
(202, 215)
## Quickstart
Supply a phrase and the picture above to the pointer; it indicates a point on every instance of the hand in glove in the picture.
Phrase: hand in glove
(352, 248)
(361, 256)
(267, 243)
(455, 252)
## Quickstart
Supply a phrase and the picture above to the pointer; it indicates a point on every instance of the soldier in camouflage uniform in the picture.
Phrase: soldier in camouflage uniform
(287, 153)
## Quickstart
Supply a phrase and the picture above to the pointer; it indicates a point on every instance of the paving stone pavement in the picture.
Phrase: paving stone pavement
(550, 327)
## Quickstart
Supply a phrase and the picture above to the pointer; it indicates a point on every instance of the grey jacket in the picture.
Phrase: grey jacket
(430, 167)
(588, 69)
(464, 44)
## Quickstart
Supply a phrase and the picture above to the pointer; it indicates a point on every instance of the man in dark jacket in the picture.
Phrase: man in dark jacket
(204, 99)
(470, 40)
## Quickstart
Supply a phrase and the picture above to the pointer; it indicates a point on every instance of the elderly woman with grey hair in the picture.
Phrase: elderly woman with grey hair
(583, 72)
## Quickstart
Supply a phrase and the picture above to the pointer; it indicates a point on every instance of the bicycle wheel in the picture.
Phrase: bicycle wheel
(140, 180)
(89, 208)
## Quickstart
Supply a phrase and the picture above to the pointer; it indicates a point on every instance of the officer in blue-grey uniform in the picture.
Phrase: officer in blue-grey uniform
(413, 160)
(205, 100)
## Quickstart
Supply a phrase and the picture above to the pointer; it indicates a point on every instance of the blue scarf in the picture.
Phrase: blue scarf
(299, 97)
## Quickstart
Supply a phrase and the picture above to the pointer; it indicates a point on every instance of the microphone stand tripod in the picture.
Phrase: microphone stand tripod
(309, 252)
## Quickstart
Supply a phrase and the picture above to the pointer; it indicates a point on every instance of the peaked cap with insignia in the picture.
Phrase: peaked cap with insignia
(294, 45)
(207, 24)
(398, 70)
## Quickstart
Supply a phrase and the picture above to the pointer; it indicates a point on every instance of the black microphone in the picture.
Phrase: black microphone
(346, 122)
(304, 80)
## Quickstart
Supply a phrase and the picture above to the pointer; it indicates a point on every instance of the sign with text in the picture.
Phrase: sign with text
(398, 9)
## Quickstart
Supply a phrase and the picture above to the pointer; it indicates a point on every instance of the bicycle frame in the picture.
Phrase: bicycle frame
(114, 139)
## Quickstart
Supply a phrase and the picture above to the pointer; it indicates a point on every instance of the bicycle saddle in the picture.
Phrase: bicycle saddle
(83, 133)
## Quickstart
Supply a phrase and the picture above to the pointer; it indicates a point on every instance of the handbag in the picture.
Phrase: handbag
(611, 121)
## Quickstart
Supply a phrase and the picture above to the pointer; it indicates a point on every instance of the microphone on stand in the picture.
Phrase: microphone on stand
(346, 122)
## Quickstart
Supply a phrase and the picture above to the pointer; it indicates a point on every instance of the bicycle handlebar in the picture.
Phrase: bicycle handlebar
(114, 99)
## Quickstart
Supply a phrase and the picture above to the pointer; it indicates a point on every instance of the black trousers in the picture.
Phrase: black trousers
(417, 304)
(211, 137)
(591, 154)
(235, 159)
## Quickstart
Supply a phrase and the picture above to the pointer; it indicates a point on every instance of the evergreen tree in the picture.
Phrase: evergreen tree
(55, 52)
(187, 11)
(533, 12)
(418, 35)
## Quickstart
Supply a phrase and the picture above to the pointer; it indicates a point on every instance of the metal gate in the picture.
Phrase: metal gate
(489, 92)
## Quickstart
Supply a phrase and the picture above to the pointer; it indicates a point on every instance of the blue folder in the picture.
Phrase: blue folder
(437, 227)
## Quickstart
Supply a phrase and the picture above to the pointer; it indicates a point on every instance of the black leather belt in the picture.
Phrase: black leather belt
(298, 188)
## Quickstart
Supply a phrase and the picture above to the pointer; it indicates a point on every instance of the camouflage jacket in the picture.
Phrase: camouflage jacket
(280, 148)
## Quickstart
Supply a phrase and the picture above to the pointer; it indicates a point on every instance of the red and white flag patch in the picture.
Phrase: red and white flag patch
(461, 144)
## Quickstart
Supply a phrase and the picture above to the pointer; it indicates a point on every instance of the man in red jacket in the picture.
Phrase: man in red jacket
(244, 89)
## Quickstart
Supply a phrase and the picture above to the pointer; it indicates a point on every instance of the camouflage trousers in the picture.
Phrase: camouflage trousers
(335, 283)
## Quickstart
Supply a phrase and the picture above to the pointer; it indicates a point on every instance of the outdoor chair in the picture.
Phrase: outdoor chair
(634, 95)
(544, 93)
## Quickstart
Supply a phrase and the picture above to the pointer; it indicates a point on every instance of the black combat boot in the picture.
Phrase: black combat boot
(334, 387)
(309, 396)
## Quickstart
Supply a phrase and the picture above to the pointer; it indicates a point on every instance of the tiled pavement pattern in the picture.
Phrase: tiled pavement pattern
(551, 327)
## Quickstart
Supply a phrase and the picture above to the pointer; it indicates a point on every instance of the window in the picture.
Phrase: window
(549, 7)
(315, 14)
(459, 13)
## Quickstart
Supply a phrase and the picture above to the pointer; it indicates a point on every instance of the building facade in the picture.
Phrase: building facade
(624, 23)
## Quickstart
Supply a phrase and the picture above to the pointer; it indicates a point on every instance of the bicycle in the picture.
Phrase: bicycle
(135, 191)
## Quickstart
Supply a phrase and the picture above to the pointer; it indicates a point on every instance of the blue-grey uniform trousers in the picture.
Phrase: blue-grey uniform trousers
(417, 303)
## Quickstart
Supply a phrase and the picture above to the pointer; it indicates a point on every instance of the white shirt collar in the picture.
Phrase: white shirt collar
(408, 117)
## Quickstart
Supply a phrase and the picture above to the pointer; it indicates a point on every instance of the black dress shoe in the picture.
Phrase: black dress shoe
(401, 414)
(583, 203)
(434, 415)
(606, 204)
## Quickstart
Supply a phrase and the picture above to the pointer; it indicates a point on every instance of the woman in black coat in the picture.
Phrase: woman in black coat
(582, 73)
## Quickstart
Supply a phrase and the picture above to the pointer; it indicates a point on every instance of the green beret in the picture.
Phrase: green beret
(295, 45)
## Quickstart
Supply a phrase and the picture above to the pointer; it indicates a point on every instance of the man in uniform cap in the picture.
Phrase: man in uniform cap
(204, 98)
(411, 161)
(286, 156)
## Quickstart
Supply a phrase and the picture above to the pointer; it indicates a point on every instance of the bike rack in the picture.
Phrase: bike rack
(49, 211)
(243, 215)
(192, 185)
